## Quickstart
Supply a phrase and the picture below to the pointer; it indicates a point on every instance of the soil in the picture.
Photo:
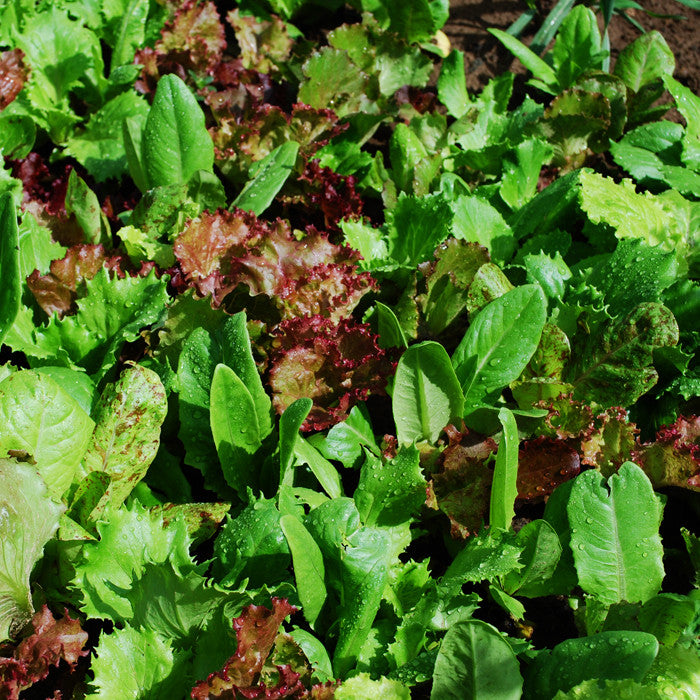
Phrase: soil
(486, 57)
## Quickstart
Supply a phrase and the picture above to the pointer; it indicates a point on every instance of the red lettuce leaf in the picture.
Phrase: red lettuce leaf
(192, 41)
(462, 482)
(336, 364)
(13, 75)
(543, 464)
(302, 276)
(57, 291)
(44, 194)
(256, 631)
(52, 641)
(322, 190)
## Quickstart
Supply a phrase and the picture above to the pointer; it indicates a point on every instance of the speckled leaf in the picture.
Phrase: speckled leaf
(128, 415)
(613, 367)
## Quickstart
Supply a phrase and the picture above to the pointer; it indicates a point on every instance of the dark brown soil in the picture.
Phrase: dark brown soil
(486, 57)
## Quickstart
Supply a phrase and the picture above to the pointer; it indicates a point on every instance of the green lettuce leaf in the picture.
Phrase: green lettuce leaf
(130, 539)
(137, 664)
(476, 661)
(28, 520)
(615, 535)
(38, 417)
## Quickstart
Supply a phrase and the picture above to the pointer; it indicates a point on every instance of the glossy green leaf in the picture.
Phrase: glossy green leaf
(175, 141)
(615, 535)
(237, 354)
(345, 440)
(541, 70)
(234, 427)
(252, 545)
(646, 59)
(499, 343)
(605, 656)
(475, 662)
(365, 562)
(541, 553)
(290, 422)
(390, 492)
(484, 557)
(504, 490)
(452, 86)
(309, 571)
(322, 469)
(268, 178)
(427, 395)
(10, 290)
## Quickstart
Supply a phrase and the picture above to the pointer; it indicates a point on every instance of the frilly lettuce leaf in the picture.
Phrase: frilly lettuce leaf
(137, 665)
(362, 685)
(51, 642)
(28, 520)
(129, 540)
(655, 220)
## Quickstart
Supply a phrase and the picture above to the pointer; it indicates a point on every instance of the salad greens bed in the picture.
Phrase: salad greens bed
(323, 377)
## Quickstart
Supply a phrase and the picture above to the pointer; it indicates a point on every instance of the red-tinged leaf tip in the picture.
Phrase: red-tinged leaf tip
(326, 191)
(13, 74)
(543, 464)
(51, 642)
(673, 459)
(334, 364)
(302, 276)
(567, 418)
(57, 291)
(256, 629)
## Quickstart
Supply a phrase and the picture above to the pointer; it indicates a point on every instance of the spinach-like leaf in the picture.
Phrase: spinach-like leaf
(309, 572)
(499, 343)
(427, 395)
(268, 178)
(234, 427)
(475, 662)
(10, 289)
(175, 140)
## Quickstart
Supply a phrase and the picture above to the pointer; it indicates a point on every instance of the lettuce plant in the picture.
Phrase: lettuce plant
(324, 377)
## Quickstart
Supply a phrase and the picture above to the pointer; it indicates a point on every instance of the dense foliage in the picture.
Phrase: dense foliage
(325, 378)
